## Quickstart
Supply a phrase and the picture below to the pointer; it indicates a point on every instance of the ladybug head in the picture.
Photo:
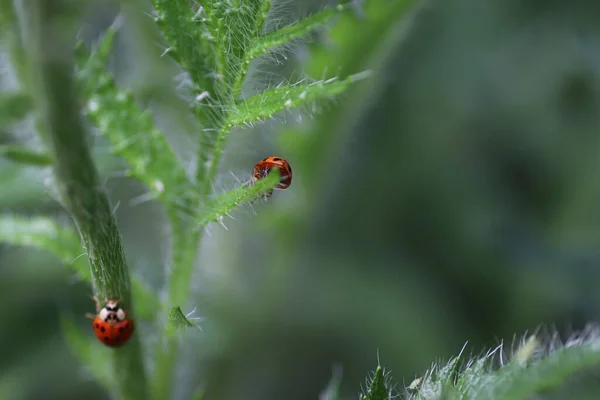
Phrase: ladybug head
(112, 312)
(112, 306)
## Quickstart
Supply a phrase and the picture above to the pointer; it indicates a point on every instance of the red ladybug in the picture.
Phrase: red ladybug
(111, 324)
(263, 167)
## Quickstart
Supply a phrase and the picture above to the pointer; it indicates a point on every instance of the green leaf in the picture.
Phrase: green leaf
(47, 234)
(191, 43)
(262, 44)
(268, 103)
(448, 372)
(439, 382)
(525, 353)
(235, 25)
(62, 240)
(131, 131)
(178, 320)
(377, 389)
(286, 35)
(23, 155)
(515, 381)
(446, 376)
(220, 206)
(475, 373)
(14, 107)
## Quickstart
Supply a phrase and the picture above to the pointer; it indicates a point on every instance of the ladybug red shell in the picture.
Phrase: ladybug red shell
(263, 167)
(111, 324)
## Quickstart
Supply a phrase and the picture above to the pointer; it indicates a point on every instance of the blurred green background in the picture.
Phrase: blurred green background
(451, 197)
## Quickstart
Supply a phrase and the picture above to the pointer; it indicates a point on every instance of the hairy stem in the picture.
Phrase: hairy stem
(46, 26)
(77, 179)
(184, 254)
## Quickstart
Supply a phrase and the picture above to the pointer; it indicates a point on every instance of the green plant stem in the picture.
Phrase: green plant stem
(46, 27)
(261, 17)
(76, 177)
(165, 367)
(184, 254)
(184, 257)
(211, 171)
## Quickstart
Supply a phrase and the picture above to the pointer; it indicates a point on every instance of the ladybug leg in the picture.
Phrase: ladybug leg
(95, 299)
(250, 182)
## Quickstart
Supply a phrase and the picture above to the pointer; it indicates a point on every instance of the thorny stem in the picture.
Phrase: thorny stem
(48, 38)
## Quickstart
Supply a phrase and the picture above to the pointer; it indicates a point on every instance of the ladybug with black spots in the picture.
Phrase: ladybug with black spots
(111, 323)
(263, 167)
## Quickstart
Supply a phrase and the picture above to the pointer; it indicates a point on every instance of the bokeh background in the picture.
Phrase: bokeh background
(451, 197)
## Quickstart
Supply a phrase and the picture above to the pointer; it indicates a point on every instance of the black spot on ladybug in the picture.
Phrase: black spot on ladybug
(97, 326)
(106, 338)
(102, 329)
(121, 329)
(277, 159)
